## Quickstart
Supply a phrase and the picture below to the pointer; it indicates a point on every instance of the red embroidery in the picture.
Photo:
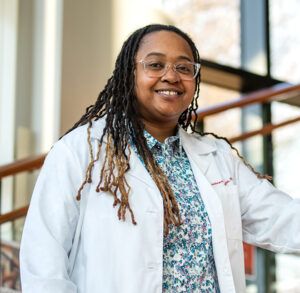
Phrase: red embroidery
(230, 179)
(217, 182)
(222, 181)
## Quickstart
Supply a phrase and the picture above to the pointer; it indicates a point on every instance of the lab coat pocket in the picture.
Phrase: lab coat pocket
(229, 197)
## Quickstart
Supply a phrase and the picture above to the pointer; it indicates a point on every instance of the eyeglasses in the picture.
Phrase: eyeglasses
(157, 68)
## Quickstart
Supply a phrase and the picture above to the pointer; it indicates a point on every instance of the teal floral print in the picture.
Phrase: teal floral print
(188, 261)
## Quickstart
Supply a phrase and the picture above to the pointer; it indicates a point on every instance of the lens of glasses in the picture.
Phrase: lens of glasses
(185, 70)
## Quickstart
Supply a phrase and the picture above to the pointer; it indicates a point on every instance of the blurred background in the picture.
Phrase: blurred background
(56, 56)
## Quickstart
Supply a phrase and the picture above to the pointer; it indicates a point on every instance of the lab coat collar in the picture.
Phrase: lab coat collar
(199, 149)
(198, 145)
(97, 129)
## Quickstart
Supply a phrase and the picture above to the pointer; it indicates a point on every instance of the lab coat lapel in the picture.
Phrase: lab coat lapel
(201, 157)
(199, 149)
(138, 170)
(201, 152)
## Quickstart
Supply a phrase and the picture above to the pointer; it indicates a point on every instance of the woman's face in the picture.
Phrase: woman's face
(163, 99)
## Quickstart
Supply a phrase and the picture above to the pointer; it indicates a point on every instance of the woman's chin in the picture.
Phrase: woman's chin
(170, 114)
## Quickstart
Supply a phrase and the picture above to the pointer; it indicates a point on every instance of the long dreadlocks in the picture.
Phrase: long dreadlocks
(117, 103)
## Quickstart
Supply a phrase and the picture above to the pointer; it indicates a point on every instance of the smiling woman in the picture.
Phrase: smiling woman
(184, 202)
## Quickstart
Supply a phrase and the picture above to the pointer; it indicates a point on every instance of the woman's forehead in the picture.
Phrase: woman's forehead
(167, 43)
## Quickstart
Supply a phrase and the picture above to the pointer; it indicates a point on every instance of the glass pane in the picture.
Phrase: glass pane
(226, 124)
(287, 273)
(286, 170)
(286, 142)
(285, 39)
(213, 25)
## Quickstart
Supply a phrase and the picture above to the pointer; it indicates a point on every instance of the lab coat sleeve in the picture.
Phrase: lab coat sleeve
(270, 218)
(50, 225)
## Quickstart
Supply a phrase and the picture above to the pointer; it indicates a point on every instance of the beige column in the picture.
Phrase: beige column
(86, 56)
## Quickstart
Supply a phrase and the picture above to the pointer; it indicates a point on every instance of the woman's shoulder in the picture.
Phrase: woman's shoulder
(79, 135)
(75, 144)
(219, 143)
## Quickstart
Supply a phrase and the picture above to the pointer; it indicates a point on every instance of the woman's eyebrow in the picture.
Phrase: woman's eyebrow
(164, 55)
(185, 58)
(155, 54)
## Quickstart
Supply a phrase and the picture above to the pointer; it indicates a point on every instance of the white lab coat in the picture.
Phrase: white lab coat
(118, 257)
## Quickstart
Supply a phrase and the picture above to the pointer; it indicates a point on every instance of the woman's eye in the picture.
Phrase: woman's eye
(155, 66)
(184, 68)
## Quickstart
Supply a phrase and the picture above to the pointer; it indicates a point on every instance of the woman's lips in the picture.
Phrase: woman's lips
(169, 94)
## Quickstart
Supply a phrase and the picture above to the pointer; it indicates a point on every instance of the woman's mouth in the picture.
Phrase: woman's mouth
(169, 93)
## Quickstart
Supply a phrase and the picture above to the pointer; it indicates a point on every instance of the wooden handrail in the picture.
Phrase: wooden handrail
(266, 129)
(261, 96)
(28, 164)
(11, 216)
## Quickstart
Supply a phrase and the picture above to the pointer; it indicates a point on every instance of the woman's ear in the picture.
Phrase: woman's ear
(135, 75)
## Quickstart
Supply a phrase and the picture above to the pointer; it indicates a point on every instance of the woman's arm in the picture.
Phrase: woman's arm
(50, 224)
(270, 218)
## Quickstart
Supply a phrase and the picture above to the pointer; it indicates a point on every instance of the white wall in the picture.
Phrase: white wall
(130, 15)
(8, 65)
(86, 56)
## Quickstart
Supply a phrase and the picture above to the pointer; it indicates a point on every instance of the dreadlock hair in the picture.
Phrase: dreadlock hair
(117, 103)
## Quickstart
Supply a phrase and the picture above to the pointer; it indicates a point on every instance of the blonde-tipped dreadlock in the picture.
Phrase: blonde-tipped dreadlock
(171, 209)
(109, 181)
(117, 103)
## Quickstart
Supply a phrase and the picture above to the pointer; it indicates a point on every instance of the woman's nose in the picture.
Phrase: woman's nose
(170, 75)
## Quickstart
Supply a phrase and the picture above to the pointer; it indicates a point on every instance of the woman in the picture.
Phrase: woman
(182, 203)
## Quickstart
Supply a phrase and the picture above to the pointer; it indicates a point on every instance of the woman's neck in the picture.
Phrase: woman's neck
(161, 132)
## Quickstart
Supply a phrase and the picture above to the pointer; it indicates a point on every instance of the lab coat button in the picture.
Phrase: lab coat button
(152, 266)
(151, 211)
(227, 270)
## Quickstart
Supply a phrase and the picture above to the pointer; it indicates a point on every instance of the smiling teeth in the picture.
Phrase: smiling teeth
(170, 93)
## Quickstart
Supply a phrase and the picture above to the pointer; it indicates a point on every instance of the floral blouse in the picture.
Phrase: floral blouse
(188, 261)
